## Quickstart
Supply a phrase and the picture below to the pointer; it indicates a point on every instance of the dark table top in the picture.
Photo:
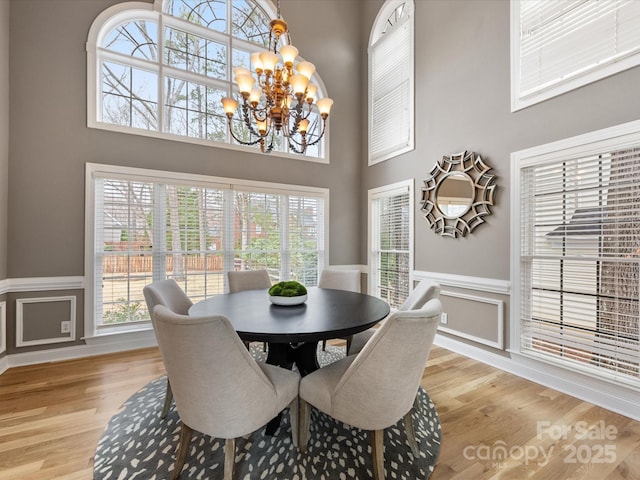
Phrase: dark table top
(326, 314)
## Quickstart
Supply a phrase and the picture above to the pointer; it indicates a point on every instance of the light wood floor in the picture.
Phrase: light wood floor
(52, 416)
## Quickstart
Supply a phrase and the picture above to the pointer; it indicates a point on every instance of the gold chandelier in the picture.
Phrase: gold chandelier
(282, 102)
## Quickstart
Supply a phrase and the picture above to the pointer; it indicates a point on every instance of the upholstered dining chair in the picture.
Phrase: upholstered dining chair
(376, 388)
(348, 280)
(424, 291)
(219, 389)
(168, 293)
(249, 280)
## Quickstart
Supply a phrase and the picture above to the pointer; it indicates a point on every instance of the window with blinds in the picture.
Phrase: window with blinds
(391, 82)
(580, 258)
(561, 45)
(151, 228)
(391, 242)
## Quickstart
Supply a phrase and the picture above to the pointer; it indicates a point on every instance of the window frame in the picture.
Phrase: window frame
(603, 69)
(227, 185)
(120, 13)
(609, 139)
(387, 191)
(377, 31)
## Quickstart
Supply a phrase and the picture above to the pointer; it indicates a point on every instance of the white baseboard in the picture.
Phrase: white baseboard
(4, 364)
(616, 398)
(97, 346)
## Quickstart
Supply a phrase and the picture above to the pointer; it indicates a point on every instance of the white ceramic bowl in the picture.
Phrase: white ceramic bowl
(286, 301)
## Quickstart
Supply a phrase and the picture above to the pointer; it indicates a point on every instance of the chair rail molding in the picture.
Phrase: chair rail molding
(41, 284)
(490, 285)
(4, 286)
(362, 268)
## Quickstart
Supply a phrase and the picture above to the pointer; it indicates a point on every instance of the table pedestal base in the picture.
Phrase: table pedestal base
(285, 355)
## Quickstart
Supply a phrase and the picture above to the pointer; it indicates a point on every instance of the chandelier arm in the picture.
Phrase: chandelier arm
(247, 121)
(297, 114)
(256, 114)
(292, 146)
(304, 142)
(239, 140)
(324, 125)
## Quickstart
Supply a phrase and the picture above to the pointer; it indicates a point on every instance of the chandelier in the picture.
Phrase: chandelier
(278, 98)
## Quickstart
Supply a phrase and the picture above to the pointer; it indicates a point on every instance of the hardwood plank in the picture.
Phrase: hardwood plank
(482, 408)
(53, 415)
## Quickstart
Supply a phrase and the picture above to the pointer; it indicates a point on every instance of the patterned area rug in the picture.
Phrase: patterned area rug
(138, 444)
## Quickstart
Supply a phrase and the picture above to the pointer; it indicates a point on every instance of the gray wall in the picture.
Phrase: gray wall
(4, 132)
(50, 142)
(463, 103)
(462, 78)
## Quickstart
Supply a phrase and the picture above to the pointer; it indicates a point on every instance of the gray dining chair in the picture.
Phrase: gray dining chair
(421, 294)
(348, 280)
(376, 388)
(219, 389)
(168, 293)
(249, 280)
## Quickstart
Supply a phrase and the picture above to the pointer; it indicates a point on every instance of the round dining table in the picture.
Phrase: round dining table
(292, 332)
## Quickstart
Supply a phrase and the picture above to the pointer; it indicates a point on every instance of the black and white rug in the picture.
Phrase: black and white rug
(138, 444)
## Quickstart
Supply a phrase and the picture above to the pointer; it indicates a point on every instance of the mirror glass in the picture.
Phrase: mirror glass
(455, 194)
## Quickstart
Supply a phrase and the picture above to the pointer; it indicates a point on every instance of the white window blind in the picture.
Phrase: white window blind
(147, 230)
(563, 44)
(391, 243)
(580, 257)
(391, 91)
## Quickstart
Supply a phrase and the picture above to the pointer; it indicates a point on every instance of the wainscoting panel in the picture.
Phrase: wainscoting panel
(45, 320)
(477, 313)
(473, 317)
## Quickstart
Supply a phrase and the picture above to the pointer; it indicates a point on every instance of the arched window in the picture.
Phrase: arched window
(391, 97)
(161, 70)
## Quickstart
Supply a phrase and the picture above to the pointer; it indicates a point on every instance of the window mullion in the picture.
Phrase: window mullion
(285, 243)
(228, 233)
(159, 245)
(161, 74)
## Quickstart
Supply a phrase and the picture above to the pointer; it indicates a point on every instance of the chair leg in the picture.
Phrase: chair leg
(349, 340)
(183, 449)
(168, 397)
(377, 446)
(264, 346)
(411, 433)
(229, 458)
(293, 416)
(324, 345)
(303, 425)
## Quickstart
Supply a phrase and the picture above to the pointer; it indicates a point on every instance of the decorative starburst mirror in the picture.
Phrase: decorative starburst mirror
(458, 194)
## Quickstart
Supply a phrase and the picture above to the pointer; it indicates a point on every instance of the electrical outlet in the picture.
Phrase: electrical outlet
(443, 318)
(65, 327)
